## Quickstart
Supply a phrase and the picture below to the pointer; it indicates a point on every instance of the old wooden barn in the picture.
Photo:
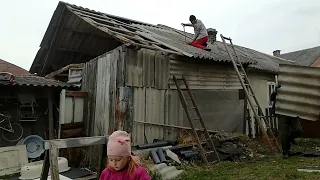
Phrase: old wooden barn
(127, 67)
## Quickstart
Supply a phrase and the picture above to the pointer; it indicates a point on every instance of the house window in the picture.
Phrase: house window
(271, 88)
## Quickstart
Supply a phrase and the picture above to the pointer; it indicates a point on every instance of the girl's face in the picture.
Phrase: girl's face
(118, 162)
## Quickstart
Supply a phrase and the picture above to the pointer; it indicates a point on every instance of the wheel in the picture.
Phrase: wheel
(15, 135)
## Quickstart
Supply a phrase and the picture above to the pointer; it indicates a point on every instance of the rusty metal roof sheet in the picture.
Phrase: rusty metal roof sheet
(36, 81)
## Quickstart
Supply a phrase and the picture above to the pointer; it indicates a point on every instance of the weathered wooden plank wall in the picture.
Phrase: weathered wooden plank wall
(99, 78)
(114, 57)
(124, 109)
(89, 84)
(101, 124)
(146, 68)
(131, 92)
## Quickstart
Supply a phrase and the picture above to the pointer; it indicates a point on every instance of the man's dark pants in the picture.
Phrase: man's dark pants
(290, 129)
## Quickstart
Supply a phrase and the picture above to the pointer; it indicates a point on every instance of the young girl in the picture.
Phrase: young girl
(121, 165)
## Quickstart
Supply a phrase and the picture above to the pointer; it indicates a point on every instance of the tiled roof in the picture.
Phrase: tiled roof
(11, 68)
(31, 80)
(136, 33)
(305, 57)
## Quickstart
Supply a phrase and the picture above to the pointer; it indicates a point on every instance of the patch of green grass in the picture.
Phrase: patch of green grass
(269, 167)
(273, 168)
(9, 176)
(154, 175)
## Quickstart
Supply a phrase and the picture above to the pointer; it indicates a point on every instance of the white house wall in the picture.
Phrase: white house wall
(259, 82)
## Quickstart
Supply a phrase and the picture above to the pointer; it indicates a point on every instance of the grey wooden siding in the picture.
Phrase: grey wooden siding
(99, 79)
(146, 68)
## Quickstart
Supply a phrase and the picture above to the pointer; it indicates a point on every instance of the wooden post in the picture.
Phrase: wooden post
(50, 116)
(245, 115)
(45, 167)
(250, 135)
(52, 148)
(53, 152)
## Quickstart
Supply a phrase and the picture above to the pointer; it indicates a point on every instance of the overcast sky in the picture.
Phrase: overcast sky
(263, 25)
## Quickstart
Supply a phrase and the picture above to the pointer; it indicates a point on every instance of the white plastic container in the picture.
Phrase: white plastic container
(33, 170)
(60, 177)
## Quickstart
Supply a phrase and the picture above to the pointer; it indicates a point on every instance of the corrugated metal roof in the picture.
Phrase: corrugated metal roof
(265, 62)
(173, 38)
(31, 80)
(218, 52)
(305, 57)
(131, 32)
(299, 94)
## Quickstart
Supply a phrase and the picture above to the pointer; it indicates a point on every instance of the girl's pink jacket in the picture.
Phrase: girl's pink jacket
(110, 174)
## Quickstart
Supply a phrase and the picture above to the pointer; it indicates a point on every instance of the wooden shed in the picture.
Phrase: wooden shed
(127, 68)
(32, 104)
(132, 89)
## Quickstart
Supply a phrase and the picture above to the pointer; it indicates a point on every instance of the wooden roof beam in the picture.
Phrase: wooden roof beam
(103, 17)
(57, 72)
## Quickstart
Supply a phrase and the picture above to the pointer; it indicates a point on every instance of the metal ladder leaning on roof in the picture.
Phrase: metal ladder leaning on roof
(194, 107)
(246, 85)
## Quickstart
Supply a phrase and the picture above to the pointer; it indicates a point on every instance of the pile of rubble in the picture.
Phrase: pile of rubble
(165, 155)
(233, 147)
(230, 147)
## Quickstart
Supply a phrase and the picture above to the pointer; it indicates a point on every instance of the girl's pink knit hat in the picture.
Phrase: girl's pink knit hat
(119, 144)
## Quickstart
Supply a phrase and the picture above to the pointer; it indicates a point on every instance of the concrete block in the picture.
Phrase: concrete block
(167, 172)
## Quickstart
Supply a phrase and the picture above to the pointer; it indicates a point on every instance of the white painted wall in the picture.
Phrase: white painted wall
(260, 84)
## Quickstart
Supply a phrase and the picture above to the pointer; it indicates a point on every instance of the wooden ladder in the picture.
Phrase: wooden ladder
(252, 99)
(194, 107)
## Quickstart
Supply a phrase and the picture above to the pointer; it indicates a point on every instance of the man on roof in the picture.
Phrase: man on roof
(200, 33)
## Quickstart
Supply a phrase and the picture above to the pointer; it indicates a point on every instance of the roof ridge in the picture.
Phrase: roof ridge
(279, 58)
(301, 50)
(111, 15)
